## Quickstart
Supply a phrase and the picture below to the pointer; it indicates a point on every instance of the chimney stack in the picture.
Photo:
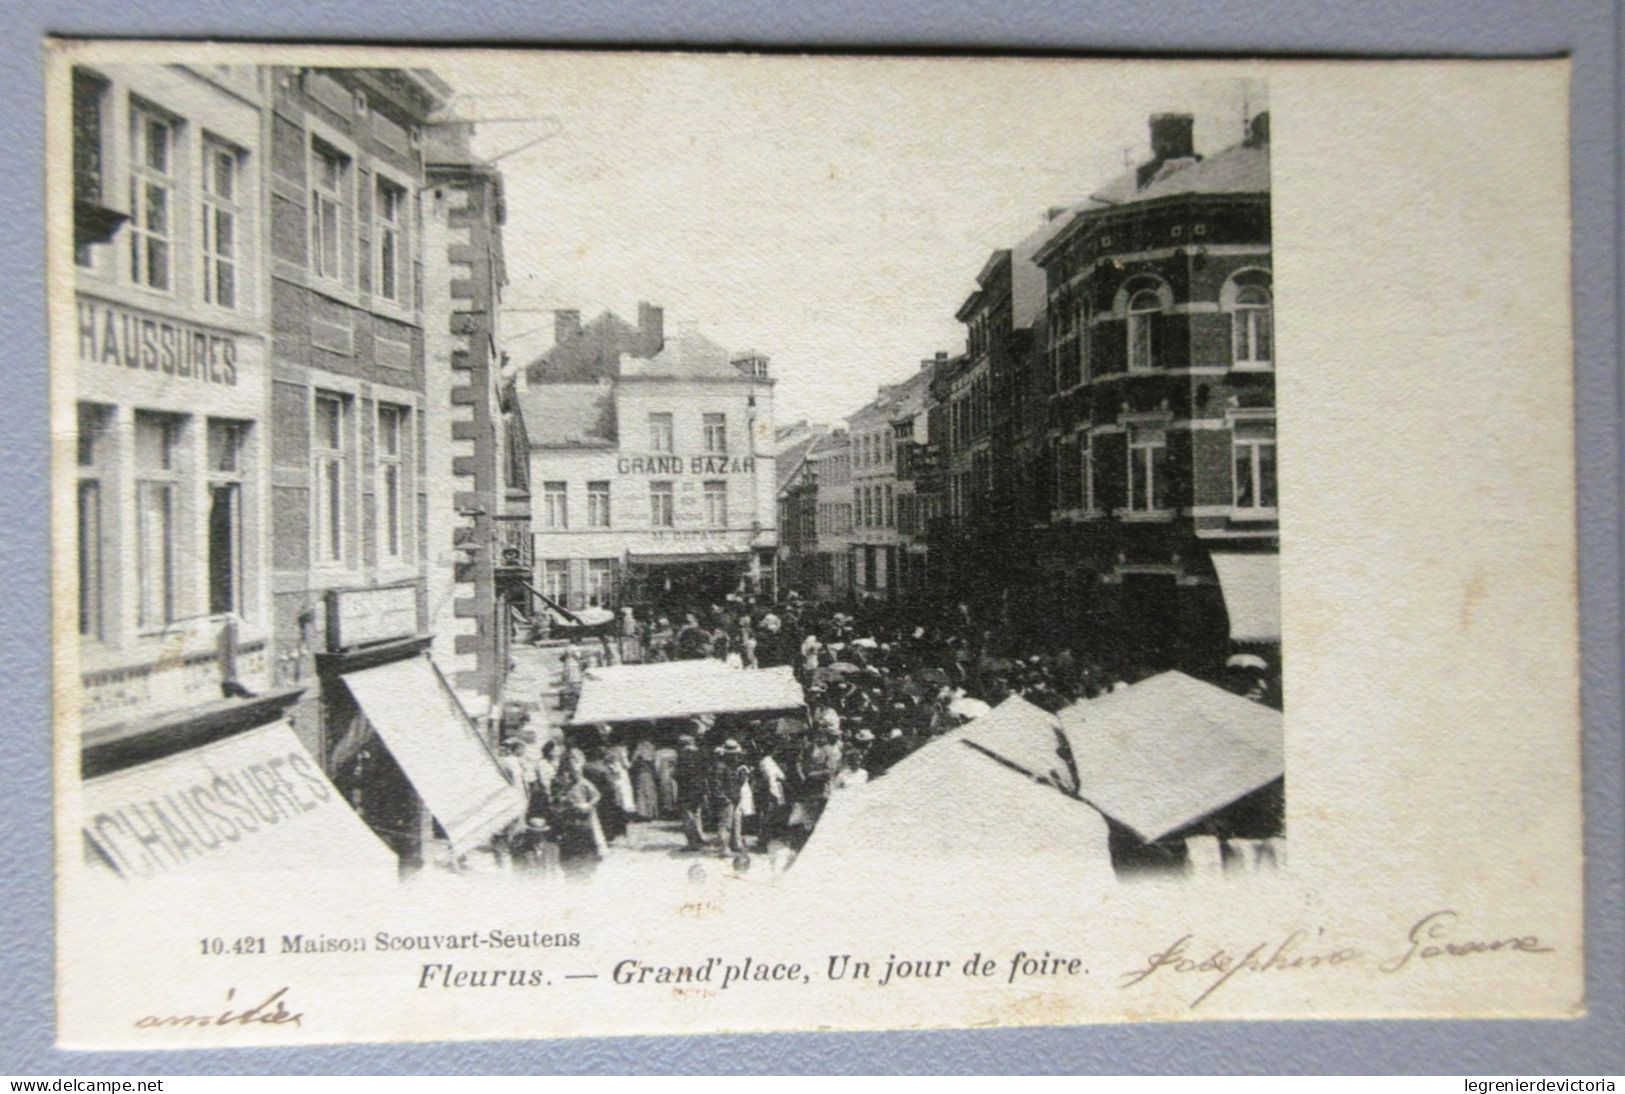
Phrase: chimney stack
(1258, 130)
(1171, 137)
(566, 325)
(652, 327)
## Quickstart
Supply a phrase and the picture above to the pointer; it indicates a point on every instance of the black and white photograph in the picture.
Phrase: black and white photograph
(555, 520)
(387, 503)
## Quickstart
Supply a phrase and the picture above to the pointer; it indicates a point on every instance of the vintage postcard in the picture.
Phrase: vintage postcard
(556, 543)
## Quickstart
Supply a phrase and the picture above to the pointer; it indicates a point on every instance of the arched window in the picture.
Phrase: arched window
(1252, 326)
(1143, 307)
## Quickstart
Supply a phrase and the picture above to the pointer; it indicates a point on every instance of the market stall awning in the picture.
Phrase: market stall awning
(431, 739)
(1020, 734)
(254, 803)
(1170, 750)
(1252, 594)
(682, 689)
(949, 811)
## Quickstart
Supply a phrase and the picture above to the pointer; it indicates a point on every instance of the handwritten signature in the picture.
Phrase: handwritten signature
(272, 1011)
(1431, 937)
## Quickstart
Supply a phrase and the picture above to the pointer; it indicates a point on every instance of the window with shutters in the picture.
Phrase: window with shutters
(598, 504)
(555, 506)
(388, 235)
(660, 505)
(393, 432)
(157, 514)
(94, 441)
(222, 169)
(330, 463)
(660, 433)
(716, 433)
(329, 211)
(153, 152)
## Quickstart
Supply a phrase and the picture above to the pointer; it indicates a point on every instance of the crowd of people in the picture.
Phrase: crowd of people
(880, 679)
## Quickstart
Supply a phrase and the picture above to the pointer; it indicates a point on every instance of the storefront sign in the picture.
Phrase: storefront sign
(692, 465)
(120, 337)
(355, 616)
(251, 803)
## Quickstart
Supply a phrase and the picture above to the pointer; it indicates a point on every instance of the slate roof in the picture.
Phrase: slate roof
(569, 415)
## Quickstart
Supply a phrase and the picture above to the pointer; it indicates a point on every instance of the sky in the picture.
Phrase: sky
(831, 212)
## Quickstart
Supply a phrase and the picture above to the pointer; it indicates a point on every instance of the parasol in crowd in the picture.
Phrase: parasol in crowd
(968, 708)
(1247, 661)
(866, 643)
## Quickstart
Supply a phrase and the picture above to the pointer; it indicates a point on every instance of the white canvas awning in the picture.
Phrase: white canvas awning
(682, 689)
(451, 768)
(255, 803)
(1252, 594)
(951, 811)
(1170, 750)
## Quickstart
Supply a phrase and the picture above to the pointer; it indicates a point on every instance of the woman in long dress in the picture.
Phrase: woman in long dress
(645, 786)
(581, 841)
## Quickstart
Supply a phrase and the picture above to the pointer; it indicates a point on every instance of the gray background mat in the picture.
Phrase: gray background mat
(1587, 30)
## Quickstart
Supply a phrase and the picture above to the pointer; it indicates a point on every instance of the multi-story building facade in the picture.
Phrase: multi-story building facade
(1163, 539)
(830, 461)
(960, 415)
(798, 508)
(350, 460)
(478, 521)
(916, 501)
(878, 544)
(171, 369)
(652, 466)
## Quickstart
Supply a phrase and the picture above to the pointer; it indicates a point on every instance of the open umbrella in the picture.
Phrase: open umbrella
(1247, 661)
(866, 643)
(968, 708)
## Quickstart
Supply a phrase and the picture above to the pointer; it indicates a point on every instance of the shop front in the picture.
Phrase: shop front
(397, 743)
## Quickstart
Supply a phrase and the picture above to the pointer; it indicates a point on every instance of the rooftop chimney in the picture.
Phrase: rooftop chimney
(1171, 136)
(1258, 130)
(652, 327)
(566, 325)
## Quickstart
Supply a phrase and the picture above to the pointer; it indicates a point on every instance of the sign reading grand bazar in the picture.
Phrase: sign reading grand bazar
(408, 595)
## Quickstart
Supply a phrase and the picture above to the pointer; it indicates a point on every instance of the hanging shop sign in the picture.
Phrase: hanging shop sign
(358, 616)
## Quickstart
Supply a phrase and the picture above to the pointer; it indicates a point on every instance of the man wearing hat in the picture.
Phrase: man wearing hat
(691, 775)
(730, 791)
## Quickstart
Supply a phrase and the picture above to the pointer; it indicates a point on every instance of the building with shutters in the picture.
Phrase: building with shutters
(170, 365)
(652, 466)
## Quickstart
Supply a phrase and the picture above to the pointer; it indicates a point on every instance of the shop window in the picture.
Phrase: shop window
(227, 454)
(555, 505)
(330, 444)
(716, 433)
(660, 505)
(221, 214)
(152, 197)
(157, 440)
(1253, 446)
(556, 581)
(598, 504)
(1147, 468)
(95, 423)
(601, 582)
